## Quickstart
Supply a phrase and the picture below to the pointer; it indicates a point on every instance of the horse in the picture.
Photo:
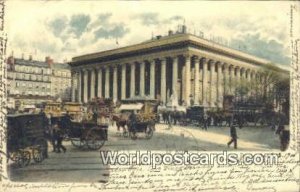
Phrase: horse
(121, 120)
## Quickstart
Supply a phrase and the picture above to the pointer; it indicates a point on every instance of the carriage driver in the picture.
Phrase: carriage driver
(132, 119)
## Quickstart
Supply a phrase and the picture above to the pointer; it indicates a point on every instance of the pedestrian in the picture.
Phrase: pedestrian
(205, 122)
(58, 138)
(233, 137)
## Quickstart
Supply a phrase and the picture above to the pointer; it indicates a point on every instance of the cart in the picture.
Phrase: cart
(91, 130)
(91, 135)
(27, 138)
(143, 111)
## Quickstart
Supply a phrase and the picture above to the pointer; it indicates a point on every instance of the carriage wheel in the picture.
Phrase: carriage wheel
(23, 158)
(37, 155)
(94, 140)
(77, 142)
(149, 132)
(66, 135)
(43, 147)
(125, 134)
(133, 135)
(14, 156)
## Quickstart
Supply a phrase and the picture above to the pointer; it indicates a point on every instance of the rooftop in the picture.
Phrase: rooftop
(172, 39)
(35, 63)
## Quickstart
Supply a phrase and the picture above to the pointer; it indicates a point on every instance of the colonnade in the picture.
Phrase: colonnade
(194, 78)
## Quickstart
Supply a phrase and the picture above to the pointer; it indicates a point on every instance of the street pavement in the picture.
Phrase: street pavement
(84, 165)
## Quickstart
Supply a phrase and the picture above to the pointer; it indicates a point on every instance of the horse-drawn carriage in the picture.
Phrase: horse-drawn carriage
(195, 114)
(27, 138)
(53, 108)
(139, 115)
(91, 130)
(73, 109)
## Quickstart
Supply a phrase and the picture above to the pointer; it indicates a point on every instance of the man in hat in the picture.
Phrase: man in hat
(233, 136)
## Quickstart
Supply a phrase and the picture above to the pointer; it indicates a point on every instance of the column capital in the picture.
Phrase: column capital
(230, 66)
(163, 59)
(236, 67)
(175, 57)
(132, 63)
(195, 57)
(203, 60)
(211, 61)
(225, 65)
(187, 55)
(92, 69)
(218, 63)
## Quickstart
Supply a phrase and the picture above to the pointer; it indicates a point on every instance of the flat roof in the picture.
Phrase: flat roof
(174, 39)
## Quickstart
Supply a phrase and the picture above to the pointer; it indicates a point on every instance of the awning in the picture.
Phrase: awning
(137, 106)
(29, 106)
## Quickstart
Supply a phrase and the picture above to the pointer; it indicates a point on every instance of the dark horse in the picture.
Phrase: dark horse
(121, 121)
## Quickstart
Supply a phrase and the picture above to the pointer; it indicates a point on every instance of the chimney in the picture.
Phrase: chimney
(10, 63)
(30, 58)
(170, 32)
(22, 56)
(10, 60)
(48, 60)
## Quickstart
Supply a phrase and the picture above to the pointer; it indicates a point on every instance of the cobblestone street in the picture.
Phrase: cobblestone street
(83, 165)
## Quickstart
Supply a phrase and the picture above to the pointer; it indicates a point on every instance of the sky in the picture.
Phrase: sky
(65, 29)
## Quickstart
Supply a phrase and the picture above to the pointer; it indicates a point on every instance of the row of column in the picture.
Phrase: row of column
(214, 79)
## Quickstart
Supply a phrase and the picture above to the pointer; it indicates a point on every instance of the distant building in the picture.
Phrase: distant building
(32, 82)
(61, 81)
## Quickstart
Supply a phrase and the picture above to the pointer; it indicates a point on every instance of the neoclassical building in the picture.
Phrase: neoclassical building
(191, 67)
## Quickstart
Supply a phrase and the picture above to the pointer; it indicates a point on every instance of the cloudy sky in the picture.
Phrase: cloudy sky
(64, 29)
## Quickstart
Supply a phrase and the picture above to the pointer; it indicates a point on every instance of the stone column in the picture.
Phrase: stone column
(225, 79)
(249, 75)
(93, 79)
(197, 64)
(243, 75)
(79, 88)
(204, 82)
(142, 78)
(253, 80)
(163, 81)
(187, 79)
(73, 77)
(212, 69)
(85, 86)
(132, 80)
(230, 78)
(107, 82)
(123, 87)
(99, 82)
(152, 79)
(237, 78)
(238, 75)
(115, 83)
(248, 81)
(175, 75)
(219, 86)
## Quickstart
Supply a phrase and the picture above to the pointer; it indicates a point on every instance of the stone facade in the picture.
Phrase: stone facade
(32, 82)
(195, 69)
